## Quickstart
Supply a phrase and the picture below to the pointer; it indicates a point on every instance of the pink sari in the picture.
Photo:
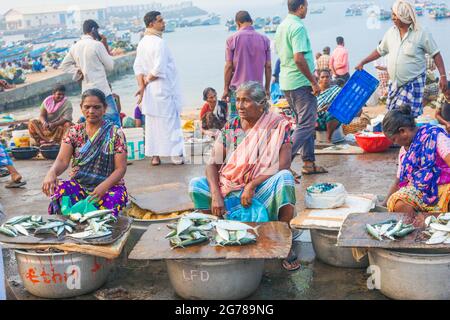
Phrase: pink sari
(257, 154)
(51, 106)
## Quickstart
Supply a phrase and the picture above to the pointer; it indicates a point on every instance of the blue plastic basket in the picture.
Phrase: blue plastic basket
(353, 96)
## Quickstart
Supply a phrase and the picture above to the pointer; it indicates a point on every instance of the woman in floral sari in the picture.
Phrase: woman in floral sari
(423, 178)
(256, 149)
(99, 154)
(55, 118)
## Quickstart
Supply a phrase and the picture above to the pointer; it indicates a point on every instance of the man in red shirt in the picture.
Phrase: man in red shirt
(339, 64)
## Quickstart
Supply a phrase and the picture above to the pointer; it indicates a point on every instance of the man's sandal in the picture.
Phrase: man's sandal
(308, 170)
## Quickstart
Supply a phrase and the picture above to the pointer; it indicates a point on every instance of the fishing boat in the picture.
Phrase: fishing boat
(170, 27)
(384, 15)
(440, 12)
(213, 19)
(349, 12)
(231, 25)
(259, 23)
(276, 20)
(270, 28)
(357, 12)
(14, 52)
(318, 10)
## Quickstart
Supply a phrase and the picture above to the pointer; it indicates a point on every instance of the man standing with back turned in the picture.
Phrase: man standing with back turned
(247, 58)
(298, 82)
(89, 60)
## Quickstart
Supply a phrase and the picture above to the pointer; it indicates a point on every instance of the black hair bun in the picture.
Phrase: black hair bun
(406, 110)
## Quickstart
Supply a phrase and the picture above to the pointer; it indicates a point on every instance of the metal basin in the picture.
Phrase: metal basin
(412, 275)
(215, 279)
(61, 275)
(324, 244)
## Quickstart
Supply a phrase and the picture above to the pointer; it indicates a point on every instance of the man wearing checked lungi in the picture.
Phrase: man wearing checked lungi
(406, 44)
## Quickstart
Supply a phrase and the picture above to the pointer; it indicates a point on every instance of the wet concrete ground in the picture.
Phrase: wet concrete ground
(371, 173)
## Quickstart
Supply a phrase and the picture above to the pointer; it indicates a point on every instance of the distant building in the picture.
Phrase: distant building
(54, 16)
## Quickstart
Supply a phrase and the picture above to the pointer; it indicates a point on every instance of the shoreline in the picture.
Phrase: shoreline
(39, 85)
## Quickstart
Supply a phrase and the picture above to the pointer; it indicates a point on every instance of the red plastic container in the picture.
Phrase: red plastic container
(376, 143)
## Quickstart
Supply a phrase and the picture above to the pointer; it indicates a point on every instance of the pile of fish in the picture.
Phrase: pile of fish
(97, 224)
(191, 229)
(93, 225)
(35, 225)
(390, 229)
(438, 229)
(194, 228)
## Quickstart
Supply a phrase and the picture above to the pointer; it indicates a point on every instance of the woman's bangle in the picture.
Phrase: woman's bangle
(443, 76)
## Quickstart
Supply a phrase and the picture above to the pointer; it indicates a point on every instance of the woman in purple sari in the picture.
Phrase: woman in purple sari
(99, 160)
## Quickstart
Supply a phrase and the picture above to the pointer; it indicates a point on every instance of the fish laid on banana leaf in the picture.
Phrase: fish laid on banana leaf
(191, 229)
(195, 228)
(391, 230)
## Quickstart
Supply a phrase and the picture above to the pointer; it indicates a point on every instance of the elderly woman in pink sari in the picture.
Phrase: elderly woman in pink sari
(55, 118)
(249, 165)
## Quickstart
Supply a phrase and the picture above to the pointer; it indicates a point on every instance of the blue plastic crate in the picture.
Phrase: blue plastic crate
(353, 96)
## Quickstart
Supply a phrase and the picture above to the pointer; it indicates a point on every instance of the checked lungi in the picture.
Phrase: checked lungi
(410, 94)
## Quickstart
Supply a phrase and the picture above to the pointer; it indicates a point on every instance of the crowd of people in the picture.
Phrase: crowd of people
(250, 165)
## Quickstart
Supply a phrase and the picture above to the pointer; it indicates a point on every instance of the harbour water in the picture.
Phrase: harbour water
(200, 51)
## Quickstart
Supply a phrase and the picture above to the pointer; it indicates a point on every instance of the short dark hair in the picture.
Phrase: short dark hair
(243, 17)
(326, 49)
(150, 17)
(59, 88)
(340, 40)
(88, 25)
(94, 93)
(293, 5)
(206, 91)
(398, 118)
(325, 70)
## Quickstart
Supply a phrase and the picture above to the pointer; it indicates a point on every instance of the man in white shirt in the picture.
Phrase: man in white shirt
(405, 44)
(159, 92)
(89, 60)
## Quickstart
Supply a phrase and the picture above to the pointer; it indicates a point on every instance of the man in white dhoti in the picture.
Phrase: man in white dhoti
(159, 93)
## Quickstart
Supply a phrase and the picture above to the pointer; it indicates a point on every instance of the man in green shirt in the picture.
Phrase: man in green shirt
(298, 82)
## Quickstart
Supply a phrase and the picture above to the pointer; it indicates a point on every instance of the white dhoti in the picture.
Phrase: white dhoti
(163, 137)
(162, 100)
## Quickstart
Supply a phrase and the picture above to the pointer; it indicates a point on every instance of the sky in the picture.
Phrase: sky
(209, 5)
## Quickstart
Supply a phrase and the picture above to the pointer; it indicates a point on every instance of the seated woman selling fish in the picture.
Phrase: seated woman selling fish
(423, 178)
(250, 162)
(55, 118)
(99, 160)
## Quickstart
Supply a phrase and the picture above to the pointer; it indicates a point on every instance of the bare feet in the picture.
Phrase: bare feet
(156, 161)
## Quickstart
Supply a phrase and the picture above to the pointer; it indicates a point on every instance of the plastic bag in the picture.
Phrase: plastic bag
(84, 206)
(257, 212)
(275, 92)
(331, 199)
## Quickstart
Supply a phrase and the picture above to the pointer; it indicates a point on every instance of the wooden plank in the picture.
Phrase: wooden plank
(340, 149)
(164, 200)
(111, 251)
(274, 242)
(329, 219)
(353, 233)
